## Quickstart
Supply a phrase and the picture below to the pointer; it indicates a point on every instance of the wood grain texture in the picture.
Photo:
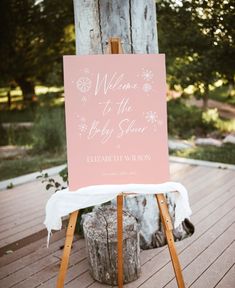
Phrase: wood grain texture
(134, 21)
(87, 27)
(208, 252)
(115, 22)
(143, 26)
(103, 240)
(67, 249)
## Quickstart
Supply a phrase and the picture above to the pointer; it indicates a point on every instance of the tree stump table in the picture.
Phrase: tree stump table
(100, 232)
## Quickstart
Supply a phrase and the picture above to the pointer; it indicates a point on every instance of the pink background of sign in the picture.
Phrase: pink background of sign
(148, 109)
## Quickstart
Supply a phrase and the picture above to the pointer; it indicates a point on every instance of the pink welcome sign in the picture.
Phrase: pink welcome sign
(116, 119)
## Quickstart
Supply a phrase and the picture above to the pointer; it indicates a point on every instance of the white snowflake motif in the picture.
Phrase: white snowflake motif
(82, 125)
(147, 87)
(83, 99)
(83, 84)
(147, 75)
(151, 117)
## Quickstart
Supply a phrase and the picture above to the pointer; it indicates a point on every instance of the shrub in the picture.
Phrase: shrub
(49, 130)
(3, 138)
(184, 121)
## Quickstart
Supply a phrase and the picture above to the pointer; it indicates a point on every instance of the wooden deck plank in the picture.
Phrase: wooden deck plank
(40, 269)
(200, 254)
(162, 271)
(209, 204)
(179, 170)
(18, 205)
(22, 215)
(21, 191)
(22, 227)
(218, 268)
(34, 256)
(16, 222)
(212, 197)
(82, 281)
(30, 248)
(161, 258)
(209, 186)
(151, 252)
(48, 275)
(228, 281)
(23, 233)
(216, 192)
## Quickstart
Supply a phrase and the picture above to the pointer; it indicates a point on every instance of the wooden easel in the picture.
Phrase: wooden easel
(115, 47)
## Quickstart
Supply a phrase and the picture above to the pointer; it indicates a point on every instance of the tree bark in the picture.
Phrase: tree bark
(100, 231)
(134, 21)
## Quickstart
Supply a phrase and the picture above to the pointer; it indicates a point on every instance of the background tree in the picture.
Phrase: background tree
(34, 36)
(198, 38)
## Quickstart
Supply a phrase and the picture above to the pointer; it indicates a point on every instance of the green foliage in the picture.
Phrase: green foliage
(224, 154)
(34, 36)
(189, 121)
(29, 163)
(10, 185)
(17, 115)
(198, 39)
(4, 136)
(18, 136)
(225, 126)
(223, 94)
(64, 174)
(49, 130)
(210, 117)
(184, 121)
(13, 135)
(50, 182)
(50, 99)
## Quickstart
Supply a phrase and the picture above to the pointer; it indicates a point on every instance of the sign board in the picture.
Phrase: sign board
(116, 120)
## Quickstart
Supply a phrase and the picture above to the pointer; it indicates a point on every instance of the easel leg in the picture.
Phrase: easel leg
(167, 224)
(119, 240)
(67, 249)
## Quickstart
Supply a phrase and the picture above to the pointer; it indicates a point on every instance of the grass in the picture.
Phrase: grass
(30, 163)
(13, 116)
(224, 154)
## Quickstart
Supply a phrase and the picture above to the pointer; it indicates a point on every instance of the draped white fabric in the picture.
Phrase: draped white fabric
(64, 201)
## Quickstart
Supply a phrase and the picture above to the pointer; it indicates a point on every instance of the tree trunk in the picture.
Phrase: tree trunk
(9, 98)
(230, 87)
(134, 21)
(100, 231)
(205, 97)
(28, 91)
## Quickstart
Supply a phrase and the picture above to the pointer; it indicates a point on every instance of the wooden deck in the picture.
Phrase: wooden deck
(22, 211)
(207, 258)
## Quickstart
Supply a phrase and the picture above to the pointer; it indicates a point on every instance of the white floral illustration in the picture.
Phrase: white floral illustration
(82, 125)
(147, 87)
(83, 84)
(151, 117)
(147, 75)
